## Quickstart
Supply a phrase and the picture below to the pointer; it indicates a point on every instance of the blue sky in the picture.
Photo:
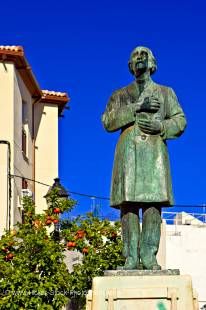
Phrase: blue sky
(83, 48)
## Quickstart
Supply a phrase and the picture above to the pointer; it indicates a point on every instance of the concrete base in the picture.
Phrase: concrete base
(142, 292)
(163, 272)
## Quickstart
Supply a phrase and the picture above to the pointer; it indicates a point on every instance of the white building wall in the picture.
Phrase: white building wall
(6, 133)
(46, 150)
(12, 92)
(4, 188)
(45, 156)
(186, 250)
(22, 164)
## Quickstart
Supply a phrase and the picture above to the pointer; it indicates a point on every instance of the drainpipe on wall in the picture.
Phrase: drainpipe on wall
(9, 192)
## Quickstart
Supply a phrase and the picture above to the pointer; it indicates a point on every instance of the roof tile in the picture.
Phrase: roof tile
(15, 48)
(53, 93)
(15, 54)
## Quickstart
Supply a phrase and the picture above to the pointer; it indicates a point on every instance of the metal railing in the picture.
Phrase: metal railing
(185, 218)
(172, 215)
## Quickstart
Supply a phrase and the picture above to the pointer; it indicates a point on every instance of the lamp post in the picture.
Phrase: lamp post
(62, 194)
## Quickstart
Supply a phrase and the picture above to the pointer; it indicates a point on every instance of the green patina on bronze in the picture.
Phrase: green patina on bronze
(147, 114)
(161, 306)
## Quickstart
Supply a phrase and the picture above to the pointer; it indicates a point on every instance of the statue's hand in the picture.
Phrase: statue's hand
(151, 127)
(150, 105)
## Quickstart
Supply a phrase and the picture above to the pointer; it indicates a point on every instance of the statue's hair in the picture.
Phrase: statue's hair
(151, 59)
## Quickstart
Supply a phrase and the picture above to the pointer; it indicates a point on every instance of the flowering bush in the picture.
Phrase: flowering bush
(101, 246)
(33, 274)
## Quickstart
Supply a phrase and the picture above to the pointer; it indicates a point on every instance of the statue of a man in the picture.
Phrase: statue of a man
(147, 114)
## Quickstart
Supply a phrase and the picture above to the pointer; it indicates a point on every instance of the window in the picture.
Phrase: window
(24, 112)
(24, 129)
(24, 142)
(24, 184)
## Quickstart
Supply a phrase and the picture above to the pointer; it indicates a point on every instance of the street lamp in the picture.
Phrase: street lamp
(62, 194)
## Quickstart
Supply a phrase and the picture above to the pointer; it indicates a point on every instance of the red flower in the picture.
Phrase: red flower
(85, 250)
(56, 210)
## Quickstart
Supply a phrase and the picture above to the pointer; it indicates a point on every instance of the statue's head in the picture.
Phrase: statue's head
(142, 59)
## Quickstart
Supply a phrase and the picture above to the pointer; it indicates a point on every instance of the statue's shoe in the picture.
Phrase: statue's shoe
(130, 264)
(156, 267)
(148, 258)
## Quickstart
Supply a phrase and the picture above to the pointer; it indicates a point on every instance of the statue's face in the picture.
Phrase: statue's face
(139, 61)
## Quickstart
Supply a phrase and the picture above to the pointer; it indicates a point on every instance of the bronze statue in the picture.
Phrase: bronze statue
(147, 114)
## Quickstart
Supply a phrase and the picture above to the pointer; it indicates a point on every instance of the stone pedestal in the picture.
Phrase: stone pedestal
(142, 290)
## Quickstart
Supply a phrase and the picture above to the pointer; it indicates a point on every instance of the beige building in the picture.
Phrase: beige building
(186, 250)
(183, 247)
(28, 135)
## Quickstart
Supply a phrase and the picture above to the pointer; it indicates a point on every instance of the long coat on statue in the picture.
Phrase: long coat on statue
(141, 171)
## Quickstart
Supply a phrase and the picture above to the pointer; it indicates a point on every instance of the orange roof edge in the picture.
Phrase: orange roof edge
(53, 97)
(15, 54)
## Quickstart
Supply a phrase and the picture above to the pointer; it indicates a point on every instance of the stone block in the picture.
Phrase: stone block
(163, 272)
(142, 292)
